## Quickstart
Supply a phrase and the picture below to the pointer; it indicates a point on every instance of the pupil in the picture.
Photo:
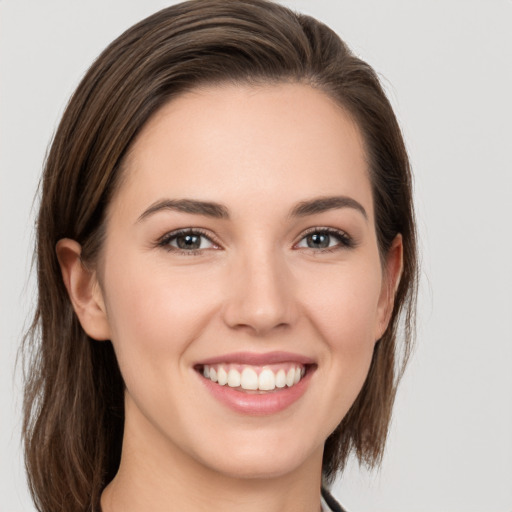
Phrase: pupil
(318, 240)
(189, 242)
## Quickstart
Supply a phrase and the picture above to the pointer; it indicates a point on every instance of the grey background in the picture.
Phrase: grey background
(447, 66)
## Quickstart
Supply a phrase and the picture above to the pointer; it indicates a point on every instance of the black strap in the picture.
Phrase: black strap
(333, 504)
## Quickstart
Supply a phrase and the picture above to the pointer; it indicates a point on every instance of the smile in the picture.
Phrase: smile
(255, 378)
(257, 384)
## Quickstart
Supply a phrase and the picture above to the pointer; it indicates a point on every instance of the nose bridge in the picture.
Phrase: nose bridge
(261, 291)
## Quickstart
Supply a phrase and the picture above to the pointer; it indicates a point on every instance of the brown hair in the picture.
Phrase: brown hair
(73, 423)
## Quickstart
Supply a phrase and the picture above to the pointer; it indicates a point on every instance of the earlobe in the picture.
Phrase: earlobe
(392, 274)
(83, 289)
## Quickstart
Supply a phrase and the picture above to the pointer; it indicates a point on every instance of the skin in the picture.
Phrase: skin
(256, 287)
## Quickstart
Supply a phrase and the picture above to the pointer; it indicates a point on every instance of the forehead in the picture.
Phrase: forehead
(255, 143)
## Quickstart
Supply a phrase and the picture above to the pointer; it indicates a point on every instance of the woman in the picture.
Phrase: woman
(226, 245)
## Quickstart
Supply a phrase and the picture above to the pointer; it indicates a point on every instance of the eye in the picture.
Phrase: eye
(188, 241)
(325, 238)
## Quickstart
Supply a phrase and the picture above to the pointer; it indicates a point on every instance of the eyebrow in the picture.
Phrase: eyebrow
(206, 208)
(323, 204)
(219, 211)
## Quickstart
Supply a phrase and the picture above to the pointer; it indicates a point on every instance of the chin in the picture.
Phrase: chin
(259, 459)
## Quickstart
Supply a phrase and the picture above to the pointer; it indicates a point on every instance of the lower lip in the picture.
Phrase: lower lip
(258, 404)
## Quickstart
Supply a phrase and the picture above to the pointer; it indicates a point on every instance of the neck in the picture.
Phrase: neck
(160, 476)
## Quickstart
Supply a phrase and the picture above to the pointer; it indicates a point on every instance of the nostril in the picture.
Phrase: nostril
(259, 300)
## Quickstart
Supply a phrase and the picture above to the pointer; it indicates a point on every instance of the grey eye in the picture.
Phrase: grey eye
(190, 242)
(325, 239)
(318, 240)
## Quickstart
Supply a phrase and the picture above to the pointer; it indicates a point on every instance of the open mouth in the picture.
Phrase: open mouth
(248, 378)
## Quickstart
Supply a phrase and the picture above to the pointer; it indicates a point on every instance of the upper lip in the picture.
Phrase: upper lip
(258, 359)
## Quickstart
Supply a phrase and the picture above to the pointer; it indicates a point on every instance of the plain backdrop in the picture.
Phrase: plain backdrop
(447, 67)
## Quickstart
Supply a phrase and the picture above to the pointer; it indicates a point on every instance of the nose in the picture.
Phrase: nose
(260, 296)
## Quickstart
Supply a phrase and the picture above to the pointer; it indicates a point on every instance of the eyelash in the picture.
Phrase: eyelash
(165, 241)
(345, 241)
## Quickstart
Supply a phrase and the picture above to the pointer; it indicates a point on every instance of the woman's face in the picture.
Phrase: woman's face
(241, 247)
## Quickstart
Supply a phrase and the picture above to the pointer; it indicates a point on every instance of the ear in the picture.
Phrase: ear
(83, 289)
(392, 272)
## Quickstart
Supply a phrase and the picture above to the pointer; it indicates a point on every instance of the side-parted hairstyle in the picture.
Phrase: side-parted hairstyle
(74, 395)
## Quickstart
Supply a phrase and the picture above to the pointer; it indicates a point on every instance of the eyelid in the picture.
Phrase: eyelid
(346, 241)
(164, 240)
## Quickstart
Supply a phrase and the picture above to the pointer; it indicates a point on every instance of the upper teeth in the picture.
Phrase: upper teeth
(247, 377)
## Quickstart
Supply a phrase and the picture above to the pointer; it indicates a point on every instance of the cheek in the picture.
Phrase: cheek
(154, 312)
(344, 311)
(343, 306)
